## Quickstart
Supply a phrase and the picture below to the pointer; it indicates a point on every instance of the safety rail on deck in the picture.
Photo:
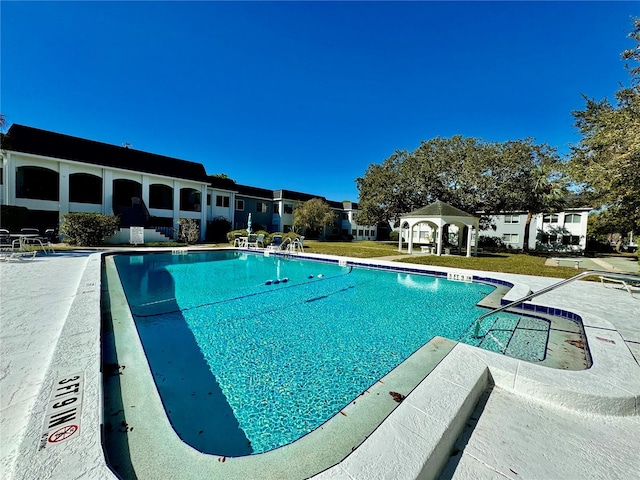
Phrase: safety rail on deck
(587, 273)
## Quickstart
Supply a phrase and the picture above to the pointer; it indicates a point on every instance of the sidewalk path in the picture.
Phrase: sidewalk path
(36, 297)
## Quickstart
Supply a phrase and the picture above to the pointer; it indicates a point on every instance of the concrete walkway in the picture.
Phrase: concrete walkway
(36, 297)
(612, 264)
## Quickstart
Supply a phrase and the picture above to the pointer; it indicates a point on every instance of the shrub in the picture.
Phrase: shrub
(394, 235)
(489, 242)
(244, 233)
(86, 229)
(189, 231)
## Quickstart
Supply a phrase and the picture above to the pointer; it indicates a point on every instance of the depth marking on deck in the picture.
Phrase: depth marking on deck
(62, 420)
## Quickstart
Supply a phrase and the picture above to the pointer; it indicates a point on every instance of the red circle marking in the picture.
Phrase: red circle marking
(62, 433)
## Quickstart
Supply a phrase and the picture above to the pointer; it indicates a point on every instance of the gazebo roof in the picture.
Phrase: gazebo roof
(438, 209)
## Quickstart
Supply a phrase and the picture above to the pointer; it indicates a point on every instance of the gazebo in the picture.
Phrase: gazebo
(437, 215)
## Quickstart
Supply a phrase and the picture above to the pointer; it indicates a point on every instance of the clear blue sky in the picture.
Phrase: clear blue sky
(305, 95)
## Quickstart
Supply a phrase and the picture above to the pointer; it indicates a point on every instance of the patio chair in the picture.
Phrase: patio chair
(260, 241)
(276, 241)
(50, 235)
(252, 241)
(239, 240)
(279, 245)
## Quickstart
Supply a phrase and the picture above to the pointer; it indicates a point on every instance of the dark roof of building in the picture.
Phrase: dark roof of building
(438, 209)
(31, 140)
(298, 196)
(254, 191)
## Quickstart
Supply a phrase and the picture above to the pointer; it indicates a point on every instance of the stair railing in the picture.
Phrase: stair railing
(587, 273)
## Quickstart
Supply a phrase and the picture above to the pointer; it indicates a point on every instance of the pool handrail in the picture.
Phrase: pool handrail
(587, 273)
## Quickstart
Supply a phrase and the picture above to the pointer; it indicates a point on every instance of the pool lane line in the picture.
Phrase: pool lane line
(208, 304)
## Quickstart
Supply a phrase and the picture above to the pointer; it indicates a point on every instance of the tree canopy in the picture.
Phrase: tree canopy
(468, 173)
(606, 161)
(313, 215)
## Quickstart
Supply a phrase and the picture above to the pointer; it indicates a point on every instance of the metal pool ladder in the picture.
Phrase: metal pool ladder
(588, 273)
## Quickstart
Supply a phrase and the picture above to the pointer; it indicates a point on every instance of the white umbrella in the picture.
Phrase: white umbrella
(249, 224)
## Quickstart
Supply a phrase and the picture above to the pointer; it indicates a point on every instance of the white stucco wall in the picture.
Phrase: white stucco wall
(13, 160)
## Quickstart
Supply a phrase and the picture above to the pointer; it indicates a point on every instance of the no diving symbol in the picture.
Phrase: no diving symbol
(62, 433)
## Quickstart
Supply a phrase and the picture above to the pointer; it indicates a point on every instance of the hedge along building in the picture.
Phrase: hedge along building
(52, 174)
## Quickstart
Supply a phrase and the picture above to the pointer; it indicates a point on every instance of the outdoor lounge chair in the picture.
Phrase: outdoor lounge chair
(16, 249)
(627, 283)
(6, 256)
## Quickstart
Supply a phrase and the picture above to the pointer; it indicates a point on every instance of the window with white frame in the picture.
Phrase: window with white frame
(276, 208)
(572, 218)
(262, 207)
(548, 239)
(510, 238)
(239, 204)
(570, 240)
(512, 218)
(288, 208)
(223, 201)
(550, 218)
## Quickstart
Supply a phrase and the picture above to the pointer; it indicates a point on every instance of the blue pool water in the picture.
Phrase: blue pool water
(250, 353)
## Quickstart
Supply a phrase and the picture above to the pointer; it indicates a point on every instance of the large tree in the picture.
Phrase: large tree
(455, 170)
(313, 215)
(468, 173)
(606, 162)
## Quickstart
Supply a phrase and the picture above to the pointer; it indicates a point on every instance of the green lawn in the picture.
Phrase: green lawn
(362, 249)
(492, 262)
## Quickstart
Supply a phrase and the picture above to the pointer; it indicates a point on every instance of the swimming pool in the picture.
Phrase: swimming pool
(266, 349)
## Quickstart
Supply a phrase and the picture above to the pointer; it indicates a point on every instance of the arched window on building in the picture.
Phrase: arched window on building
(572, 218)
(85, 188)
(124, 191)
(190, 200)
(38, 183)
(160, 196)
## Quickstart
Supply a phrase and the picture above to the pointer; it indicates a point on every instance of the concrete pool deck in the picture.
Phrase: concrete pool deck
(533, 423)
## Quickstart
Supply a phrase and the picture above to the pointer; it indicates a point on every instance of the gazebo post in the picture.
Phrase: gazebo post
(400, 238)
(475, 244)
(469, 241)
(410, 240)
